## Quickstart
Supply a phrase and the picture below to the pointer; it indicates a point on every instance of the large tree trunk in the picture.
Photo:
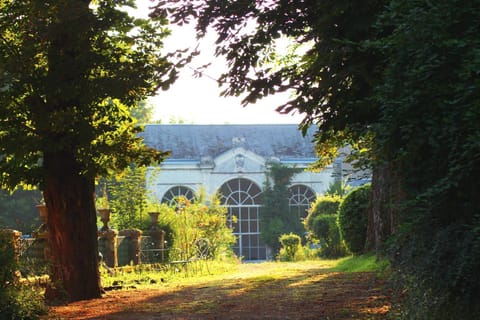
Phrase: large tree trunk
(385, 207)
(72, 230)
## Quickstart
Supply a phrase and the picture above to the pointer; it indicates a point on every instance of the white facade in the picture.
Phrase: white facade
(232, 160)
(210, 174)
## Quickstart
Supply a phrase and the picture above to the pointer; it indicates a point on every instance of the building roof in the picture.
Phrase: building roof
(190, 141)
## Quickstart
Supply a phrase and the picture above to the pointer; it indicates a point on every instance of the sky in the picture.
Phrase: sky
(197, 100)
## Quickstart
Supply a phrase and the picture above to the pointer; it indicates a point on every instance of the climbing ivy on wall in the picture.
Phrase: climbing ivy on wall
(275, 217)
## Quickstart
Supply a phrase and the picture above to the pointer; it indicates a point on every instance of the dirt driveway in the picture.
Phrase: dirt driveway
(255, 291)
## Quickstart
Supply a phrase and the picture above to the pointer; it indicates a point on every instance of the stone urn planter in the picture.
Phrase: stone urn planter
(154, 219)
(43, 211)
(105, 218)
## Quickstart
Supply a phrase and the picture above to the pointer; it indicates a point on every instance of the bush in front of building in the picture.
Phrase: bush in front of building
(324, 205)
(353, 218)
(291, 247)
(325, 230)
(322, 229)
(196, 228)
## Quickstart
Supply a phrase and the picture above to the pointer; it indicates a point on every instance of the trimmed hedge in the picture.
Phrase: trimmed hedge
(325, 229)
(353, 218)
(291, 244)
(325, 205)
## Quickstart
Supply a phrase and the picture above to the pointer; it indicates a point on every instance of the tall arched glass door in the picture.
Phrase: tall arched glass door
(243, 199)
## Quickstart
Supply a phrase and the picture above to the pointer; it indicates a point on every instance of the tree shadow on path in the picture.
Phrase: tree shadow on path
(307, 294)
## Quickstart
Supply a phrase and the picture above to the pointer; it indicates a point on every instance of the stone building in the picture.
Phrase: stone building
(233, 160)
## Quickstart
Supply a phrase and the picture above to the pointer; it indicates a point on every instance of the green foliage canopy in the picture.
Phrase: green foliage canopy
(142, 112)
(430, 115)
(65, 93)
(330, 74)
(70, 72)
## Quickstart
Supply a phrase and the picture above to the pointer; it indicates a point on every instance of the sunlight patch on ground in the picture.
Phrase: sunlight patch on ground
(310, 280)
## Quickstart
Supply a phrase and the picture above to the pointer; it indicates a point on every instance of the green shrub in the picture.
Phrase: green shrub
(327, 204)
(190, 223)
(321, 226)
(449, 256)
(126, 195)
(16, 301)
(325, 229)
(309, 252)
(353, 218)
(291, 245)
(21, 302)
(7, 260)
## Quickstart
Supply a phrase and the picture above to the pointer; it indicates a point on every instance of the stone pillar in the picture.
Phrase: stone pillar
(135, 236)
(157, 235)
(154, 219)
(110, 255)
(158, 240)
(42, 233)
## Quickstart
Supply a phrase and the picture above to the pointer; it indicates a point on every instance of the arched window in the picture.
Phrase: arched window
(239, 192)
(300, 199)
(173, 194)
(243, 199)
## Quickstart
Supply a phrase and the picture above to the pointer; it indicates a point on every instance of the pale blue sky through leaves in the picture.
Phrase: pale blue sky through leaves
(197, 100)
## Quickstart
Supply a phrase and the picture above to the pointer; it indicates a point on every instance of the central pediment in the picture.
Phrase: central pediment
(239, 160)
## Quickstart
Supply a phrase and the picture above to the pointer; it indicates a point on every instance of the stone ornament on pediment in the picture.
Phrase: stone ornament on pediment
(239, 162)
(238, 141)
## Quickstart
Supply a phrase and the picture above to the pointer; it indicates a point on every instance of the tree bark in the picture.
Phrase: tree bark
(385, 207)
(68, 193)
(72, 230)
